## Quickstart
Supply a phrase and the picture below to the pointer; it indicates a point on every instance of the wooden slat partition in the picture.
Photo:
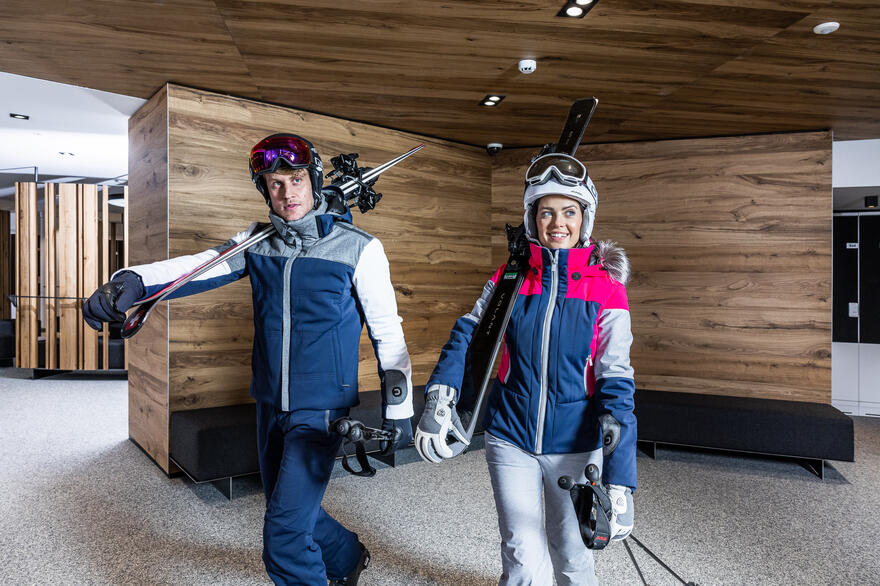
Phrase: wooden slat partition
(432, 222)
(730, 244)
(26, 284)
(56, 270)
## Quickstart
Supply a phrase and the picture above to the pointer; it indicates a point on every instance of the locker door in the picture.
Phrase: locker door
(845, 284)
(869, 278)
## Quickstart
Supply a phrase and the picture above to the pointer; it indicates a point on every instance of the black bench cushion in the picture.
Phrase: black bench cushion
(768, 426)
(215, 442)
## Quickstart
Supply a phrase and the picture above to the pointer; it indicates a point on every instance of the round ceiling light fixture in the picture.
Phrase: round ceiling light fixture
(826, 28)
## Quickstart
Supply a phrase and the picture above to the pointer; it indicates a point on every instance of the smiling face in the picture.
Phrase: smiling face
(290, 193)
(558, 221)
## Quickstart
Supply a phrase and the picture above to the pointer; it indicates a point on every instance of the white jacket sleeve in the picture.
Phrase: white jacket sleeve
(159, 274)
(372, 281)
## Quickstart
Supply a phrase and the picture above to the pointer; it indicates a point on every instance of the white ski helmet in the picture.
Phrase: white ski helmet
(559, 174)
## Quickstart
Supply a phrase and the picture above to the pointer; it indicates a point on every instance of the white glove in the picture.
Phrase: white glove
(438, 420)
(621, 511)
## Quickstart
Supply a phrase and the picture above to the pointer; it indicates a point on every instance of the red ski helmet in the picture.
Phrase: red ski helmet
(291, 149)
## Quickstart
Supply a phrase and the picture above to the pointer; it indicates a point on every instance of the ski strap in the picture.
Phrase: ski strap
(593, 509)
(355, 432)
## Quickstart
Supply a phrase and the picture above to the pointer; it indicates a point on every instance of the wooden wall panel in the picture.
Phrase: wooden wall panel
(432, 222)
(26, 284)
(89, 265)
(147, 240)
(50, 276)
(68, 274)
(730, 244)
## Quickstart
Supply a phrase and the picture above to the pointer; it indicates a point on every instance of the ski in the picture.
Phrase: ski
(489, 335)
(357, 185)
(578, 118)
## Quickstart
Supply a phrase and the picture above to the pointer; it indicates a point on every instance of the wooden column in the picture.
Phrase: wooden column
(49, 277)
(147, 241)
(67, 273)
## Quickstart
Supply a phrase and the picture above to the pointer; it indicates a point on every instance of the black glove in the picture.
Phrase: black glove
(403, 435)
(110, 301)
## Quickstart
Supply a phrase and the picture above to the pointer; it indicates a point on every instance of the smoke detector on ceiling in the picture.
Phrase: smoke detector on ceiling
(826, 28)
(527, 66)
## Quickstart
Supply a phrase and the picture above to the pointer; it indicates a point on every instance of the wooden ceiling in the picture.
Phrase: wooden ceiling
(669, 69)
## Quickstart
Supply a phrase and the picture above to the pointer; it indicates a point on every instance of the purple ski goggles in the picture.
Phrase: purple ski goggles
(267, 153)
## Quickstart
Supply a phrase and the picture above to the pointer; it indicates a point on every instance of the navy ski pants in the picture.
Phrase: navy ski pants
(302, 544)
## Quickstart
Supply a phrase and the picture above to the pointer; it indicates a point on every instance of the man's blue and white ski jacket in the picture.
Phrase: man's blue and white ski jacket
(565, 360)
(315, 283)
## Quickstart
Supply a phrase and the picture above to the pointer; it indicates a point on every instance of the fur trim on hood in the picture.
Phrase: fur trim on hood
(612, 258)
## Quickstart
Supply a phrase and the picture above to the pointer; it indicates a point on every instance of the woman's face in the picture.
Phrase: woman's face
(558, 221)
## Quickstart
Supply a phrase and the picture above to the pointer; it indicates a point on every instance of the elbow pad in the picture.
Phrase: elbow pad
(394, 387)
(610, 433)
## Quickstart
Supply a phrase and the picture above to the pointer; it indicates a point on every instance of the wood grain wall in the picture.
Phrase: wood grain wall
(147, 240)
(432, 222)
(730, 244)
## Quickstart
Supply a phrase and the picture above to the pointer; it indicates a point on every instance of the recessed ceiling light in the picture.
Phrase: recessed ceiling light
(826, 28)
(491, 100)
(576, 8)
(19, 116)
(66, 154)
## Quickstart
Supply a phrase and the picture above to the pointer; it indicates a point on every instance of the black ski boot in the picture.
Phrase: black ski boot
(352, 578)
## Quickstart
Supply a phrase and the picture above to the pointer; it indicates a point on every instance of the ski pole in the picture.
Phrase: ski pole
(136, 319)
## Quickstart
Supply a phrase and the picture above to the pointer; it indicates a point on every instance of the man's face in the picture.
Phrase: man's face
(290, 195)
(558, 221)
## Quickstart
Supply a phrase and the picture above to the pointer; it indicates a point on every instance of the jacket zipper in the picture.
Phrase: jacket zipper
(545, 350)
(285, 336)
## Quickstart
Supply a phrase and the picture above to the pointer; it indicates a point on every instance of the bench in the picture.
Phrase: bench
(218, 444)
(808, 432)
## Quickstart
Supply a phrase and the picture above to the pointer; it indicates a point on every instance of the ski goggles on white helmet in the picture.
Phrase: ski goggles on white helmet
(564, 168)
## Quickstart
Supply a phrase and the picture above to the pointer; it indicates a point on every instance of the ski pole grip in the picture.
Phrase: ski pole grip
(566, 482)
(592, 472)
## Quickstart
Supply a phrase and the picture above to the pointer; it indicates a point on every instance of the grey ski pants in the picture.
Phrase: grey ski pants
(539, 531)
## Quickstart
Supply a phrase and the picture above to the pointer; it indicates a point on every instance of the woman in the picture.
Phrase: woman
(564, 379)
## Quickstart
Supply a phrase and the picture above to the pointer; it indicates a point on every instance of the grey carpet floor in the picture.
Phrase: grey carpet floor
(81, 504)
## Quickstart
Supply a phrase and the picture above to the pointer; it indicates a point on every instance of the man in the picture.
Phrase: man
(315, 282)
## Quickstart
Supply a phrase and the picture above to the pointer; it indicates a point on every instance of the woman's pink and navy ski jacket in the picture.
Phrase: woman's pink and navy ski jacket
(565, 360)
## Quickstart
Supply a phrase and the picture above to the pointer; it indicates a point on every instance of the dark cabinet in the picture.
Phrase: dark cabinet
(856, 278)
(845, 283)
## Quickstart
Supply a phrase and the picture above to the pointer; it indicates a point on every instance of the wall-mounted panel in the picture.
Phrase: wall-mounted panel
(730, 244)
